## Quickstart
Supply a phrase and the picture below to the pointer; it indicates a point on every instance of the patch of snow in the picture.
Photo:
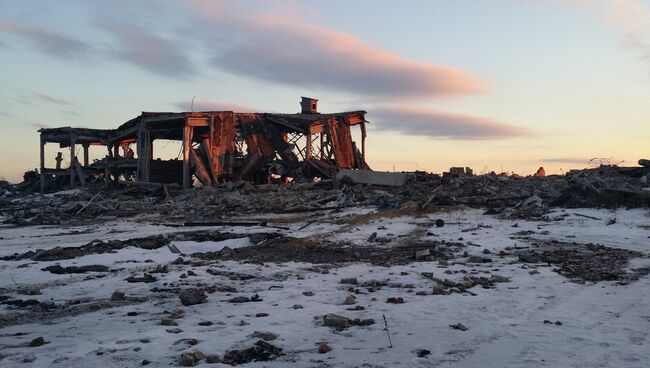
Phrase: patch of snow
(602, 324)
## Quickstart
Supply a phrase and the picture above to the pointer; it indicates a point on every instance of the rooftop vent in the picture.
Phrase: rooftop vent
(309, 105)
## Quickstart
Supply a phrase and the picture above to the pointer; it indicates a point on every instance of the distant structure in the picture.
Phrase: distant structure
(217, 146)
(309, 105)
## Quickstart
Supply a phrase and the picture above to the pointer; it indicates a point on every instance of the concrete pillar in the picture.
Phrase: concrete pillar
(85, 146)
(42, 165)
(187, 146)
(308, 154)
(143, 146)
(363, 141)
(73, 157)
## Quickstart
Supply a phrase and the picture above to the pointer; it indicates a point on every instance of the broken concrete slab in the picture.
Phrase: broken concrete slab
(380, 178)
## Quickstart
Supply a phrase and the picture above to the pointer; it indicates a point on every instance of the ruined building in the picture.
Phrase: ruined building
(217, 146)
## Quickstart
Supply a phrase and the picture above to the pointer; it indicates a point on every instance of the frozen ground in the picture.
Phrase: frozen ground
(603, 324)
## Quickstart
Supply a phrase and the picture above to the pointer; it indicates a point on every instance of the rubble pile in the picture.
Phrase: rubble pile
(585, 262)
(318, 251)
(301, 273)
(5, 188)
(495, 191)
(261, 351)
(606, 186)
(172, 203)
(515, 196)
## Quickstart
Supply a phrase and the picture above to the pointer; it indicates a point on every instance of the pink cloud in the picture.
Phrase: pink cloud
(440, 124)
(280, 49)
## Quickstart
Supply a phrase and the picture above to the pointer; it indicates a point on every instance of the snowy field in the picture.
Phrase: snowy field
(539, 318)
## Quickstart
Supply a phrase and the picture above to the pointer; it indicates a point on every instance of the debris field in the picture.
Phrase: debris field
(444, 270)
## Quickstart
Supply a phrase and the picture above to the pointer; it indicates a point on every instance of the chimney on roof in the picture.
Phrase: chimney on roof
(309, 105)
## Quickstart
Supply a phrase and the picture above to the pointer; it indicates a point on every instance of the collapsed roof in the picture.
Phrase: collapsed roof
(220, 146)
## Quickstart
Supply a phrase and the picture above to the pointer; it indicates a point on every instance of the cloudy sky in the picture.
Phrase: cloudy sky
(503, 85)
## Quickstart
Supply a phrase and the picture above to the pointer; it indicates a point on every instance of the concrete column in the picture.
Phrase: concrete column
(308, 154)
(363, 141)
(85, 146)
(42, 165)
(143, 146)
(73, 157)
(187, 146)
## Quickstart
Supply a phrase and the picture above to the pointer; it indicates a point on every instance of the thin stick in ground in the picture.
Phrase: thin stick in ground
(387, 331)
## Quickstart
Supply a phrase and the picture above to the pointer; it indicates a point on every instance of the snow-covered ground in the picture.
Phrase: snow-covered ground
(603, 324)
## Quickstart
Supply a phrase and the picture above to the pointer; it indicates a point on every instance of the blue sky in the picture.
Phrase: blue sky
(503, 85)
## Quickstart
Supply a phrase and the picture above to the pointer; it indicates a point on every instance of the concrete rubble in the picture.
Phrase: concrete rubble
(606, 187)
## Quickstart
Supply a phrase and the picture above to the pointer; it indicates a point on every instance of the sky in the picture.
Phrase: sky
(496, 85)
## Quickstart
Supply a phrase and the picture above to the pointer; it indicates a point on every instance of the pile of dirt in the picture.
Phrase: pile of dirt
(317, 251)
(110, 246)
